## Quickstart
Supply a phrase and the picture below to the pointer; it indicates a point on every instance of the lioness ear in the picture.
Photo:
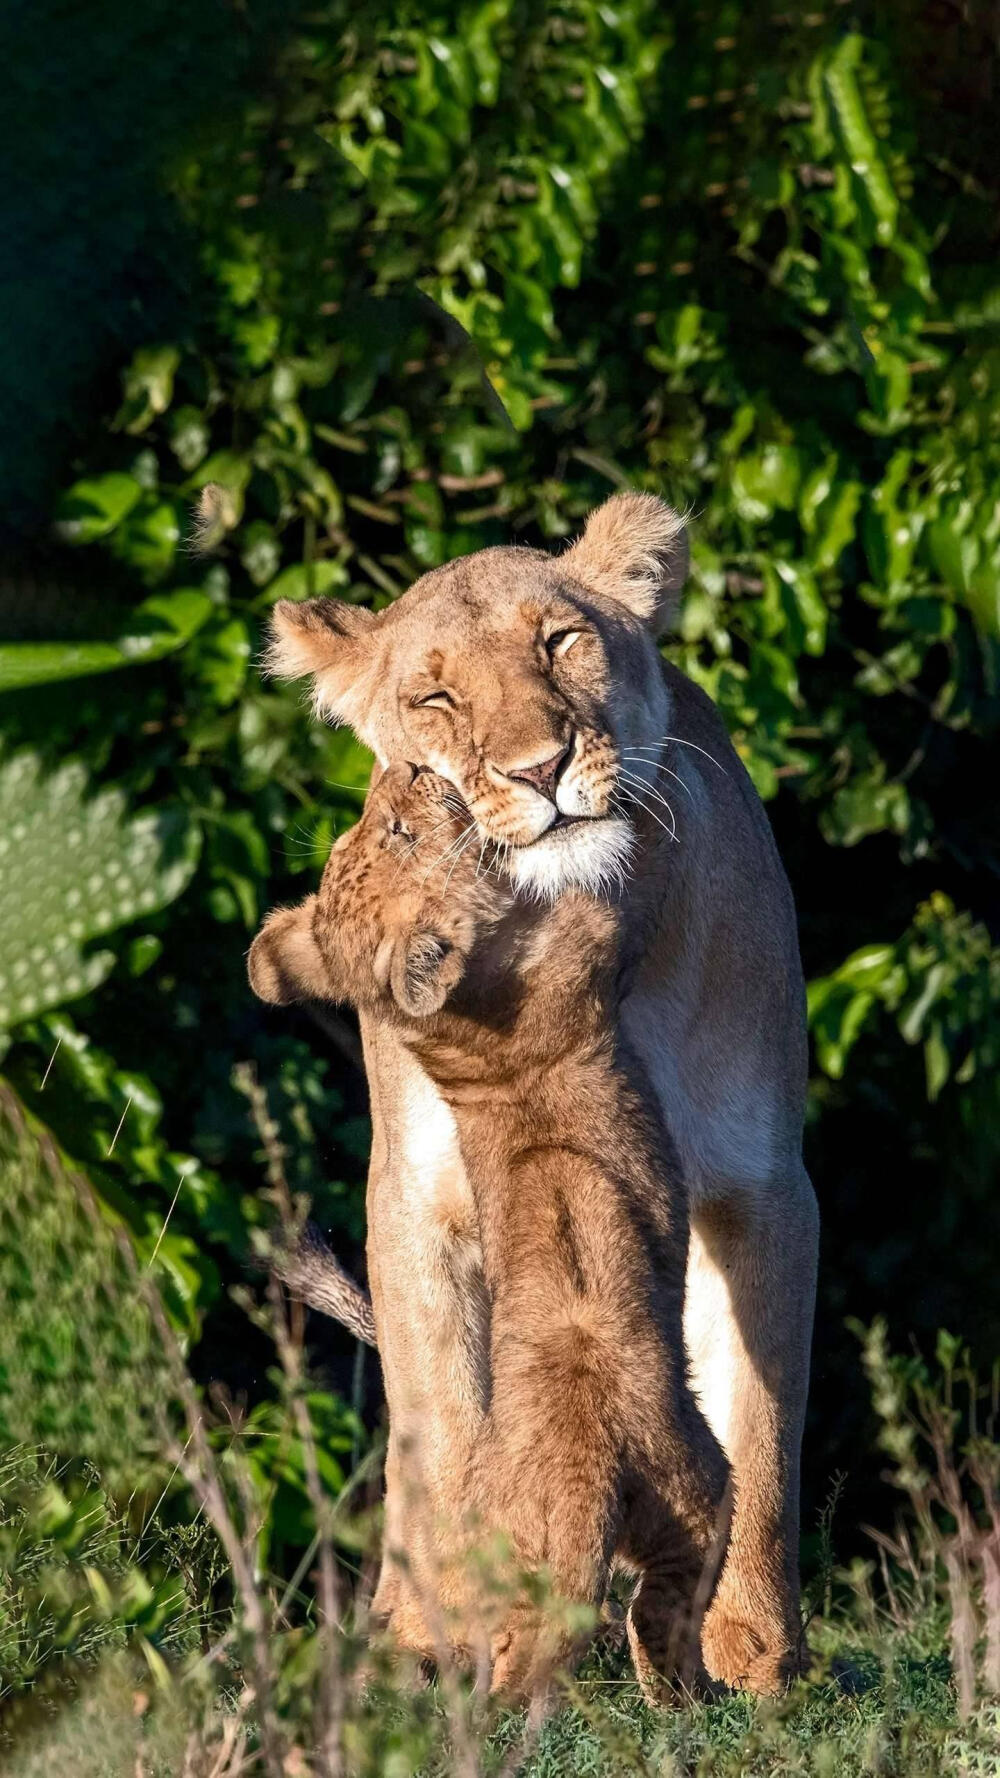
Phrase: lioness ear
(634, 549)
(424, 969)
(329, 642)
(285, 962)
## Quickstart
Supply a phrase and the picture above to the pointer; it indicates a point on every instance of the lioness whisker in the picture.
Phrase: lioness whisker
(681, 742)
(634, 779)
(456, 845)
(628, 795)
(671, 774)
(501, 859)
(650, 788)
(635, 754)
(469, 836)
(497, 854)
(670, 831)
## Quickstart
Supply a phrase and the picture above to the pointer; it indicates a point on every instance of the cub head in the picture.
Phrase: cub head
(397, 912)
(522, 678)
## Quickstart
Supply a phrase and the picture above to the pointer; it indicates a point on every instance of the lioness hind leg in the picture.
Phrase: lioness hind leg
(751, 1291)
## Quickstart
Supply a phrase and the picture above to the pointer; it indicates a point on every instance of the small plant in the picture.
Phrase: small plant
(940, 1428)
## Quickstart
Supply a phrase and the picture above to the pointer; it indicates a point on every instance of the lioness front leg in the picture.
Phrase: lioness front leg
(751, 1289)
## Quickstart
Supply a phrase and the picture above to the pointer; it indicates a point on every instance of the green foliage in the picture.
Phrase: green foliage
(70, 1586)
(82, 1385)
(72, 867)
(941, 982)
(157, 627)
(114, 1611)
(408, 282)
(275, 1464)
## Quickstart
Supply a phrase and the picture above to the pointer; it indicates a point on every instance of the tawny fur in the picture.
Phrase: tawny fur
(714, 1009)
(593, 1445)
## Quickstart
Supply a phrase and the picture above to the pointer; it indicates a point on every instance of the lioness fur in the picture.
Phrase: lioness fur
(534, 685)
(593, 1445)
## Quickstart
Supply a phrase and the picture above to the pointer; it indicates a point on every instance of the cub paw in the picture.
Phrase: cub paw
(514, 1663)
(665, 1660)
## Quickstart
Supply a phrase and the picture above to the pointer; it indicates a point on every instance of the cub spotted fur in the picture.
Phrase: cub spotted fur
(593, 1447)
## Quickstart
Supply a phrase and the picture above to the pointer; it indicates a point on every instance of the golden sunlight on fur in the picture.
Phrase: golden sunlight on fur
(593, 1448)
(532, 683)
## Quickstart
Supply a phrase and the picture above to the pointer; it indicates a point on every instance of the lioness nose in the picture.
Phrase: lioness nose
(543, 775)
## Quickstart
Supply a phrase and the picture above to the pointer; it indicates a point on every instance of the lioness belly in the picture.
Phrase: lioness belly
(734, 1114)
(726, 1107)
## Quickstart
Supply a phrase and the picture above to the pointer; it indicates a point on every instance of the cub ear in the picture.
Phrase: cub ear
(329, 642)
(285, 964)
(425, 968)
(634, 549)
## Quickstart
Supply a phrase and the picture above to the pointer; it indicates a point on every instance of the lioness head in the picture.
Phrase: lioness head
(400, 905)
(518, 676)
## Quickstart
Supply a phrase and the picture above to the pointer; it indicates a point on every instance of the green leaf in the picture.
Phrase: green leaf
(859, 142)
(149, 386)
(159, 626)
(216, 663)
(866, 804)
(148, 537)
(307, 580)
(95, 507)
(768, 479)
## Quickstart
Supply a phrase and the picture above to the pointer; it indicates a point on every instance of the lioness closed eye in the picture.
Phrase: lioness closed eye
(593, 1447)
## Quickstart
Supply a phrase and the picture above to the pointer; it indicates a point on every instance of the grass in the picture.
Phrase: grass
(895, 1714)
(145, 1631)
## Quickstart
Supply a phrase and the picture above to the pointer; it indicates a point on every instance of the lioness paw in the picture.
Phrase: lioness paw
(748, 1658)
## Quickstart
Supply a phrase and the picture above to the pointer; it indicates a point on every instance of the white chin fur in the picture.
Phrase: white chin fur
(591, 855)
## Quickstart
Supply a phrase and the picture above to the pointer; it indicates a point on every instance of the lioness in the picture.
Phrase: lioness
(533, 684)
(592, 1445)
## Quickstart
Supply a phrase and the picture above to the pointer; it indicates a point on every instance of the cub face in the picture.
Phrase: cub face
(402, 897)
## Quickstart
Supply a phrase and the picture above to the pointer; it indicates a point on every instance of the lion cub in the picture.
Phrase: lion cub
(593, 1447)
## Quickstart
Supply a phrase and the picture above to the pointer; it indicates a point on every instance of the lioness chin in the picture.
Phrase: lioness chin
(534, 685)
(592, 1448)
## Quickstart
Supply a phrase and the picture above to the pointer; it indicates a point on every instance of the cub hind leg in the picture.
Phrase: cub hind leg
(547, 1474)
(675, 1523)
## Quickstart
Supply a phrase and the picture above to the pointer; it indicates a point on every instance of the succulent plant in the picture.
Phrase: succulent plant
(75, 864)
